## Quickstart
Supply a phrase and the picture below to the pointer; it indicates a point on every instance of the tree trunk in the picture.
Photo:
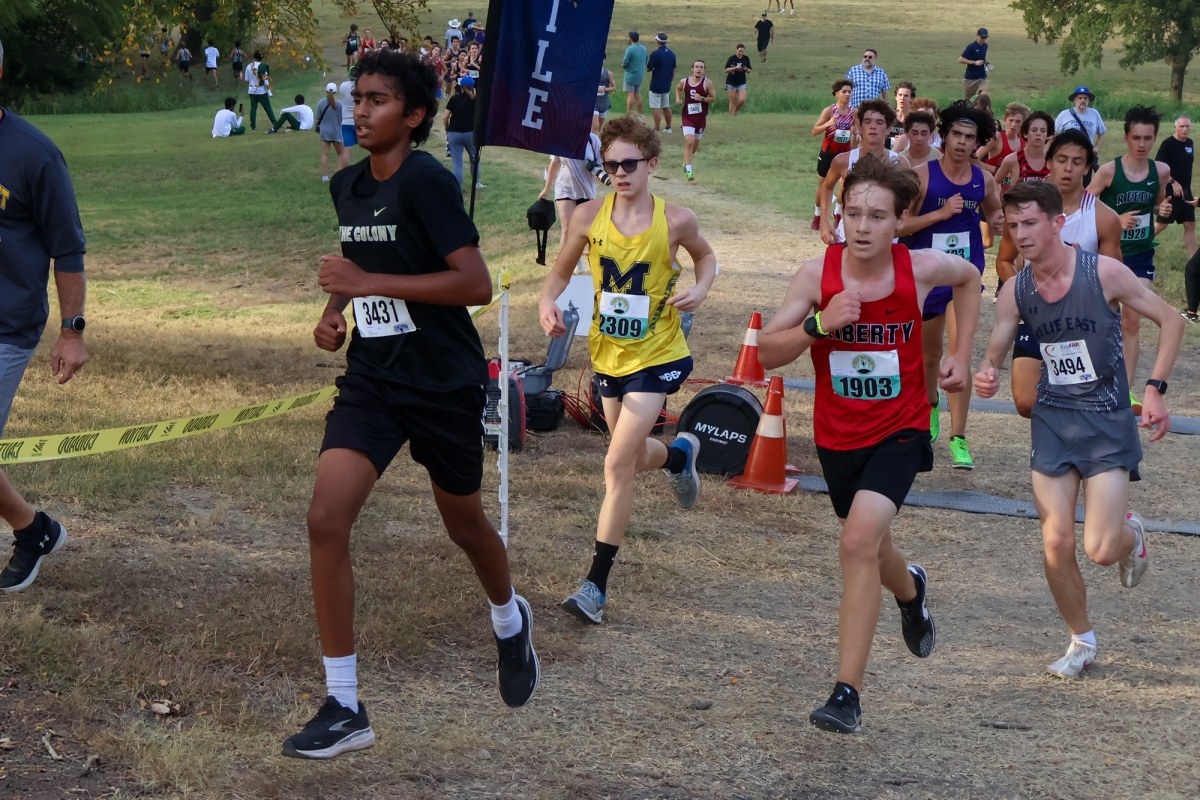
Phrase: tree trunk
(1178, 65)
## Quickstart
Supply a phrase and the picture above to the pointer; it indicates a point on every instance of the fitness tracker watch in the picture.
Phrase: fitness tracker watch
(1160, 385)
(812, 328)
(76, 324)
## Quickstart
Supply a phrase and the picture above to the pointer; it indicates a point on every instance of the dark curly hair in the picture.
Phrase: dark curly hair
(1036, 115)
(1140, 115)
(880, 106)
(984, 123)
(410, 79)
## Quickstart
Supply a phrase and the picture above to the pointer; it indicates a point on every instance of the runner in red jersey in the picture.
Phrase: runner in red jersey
(872, 415)
(999, 148)
(1029, 163)
(695, 93)
(837, 125)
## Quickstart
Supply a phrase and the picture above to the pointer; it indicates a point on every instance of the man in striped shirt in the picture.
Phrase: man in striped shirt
(870, 81)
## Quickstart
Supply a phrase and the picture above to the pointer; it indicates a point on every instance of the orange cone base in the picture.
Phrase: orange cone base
(740, 382)
(787, 487)
(791, 469)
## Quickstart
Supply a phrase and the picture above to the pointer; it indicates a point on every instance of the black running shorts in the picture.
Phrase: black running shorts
(1181, 210)
(444, 429)
(825, 161)
(888, 467)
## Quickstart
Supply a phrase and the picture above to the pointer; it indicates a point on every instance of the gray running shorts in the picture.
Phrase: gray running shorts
(1091, 441)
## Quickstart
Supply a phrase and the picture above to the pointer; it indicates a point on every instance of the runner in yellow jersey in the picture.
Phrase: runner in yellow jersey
(637, 346)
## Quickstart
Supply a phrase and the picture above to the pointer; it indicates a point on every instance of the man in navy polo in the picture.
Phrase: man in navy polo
(39, 221)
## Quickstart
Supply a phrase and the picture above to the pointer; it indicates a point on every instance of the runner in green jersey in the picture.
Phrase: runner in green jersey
(1132, 185)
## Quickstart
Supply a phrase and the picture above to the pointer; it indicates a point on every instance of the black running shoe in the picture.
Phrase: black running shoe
(43, 537)
(518, 671)
(920, 634)
(333, 731)
(842, 714)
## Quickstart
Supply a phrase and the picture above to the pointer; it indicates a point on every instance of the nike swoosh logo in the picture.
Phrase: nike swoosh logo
(902, 441)
(974, 185)
(891, 311)
(380, 211)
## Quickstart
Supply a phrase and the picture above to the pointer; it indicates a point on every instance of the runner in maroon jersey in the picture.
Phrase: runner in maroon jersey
(1019, 166)
(871, 419)
(694, 92)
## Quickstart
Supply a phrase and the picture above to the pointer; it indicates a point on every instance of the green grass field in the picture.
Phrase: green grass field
(187, 578)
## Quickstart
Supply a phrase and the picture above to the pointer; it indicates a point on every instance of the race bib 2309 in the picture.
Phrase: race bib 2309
(624, 316)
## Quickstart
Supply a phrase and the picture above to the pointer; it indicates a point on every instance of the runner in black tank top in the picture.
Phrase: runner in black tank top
(1083, 427)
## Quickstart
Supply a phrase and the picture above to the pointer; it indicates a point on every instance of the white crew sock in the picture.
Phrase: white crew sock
(1088, 638)
(341, 680)
(816, 211)
(687, 166)
(506, 619)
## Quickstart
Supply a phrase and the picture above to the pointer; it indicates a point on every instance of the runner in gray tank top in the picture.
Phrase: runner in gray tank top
(1083, 427)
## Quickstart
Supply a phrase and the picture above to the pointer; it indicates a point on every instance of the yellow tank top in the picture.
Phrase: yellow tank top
(633, 328)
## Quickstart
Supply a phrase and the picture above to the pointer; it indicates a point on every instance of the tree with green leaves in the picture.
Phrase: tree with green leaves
(1150, 30)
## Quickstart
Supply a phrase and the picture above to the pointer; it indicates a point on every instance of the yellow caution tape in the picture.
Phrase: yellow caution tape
(72, 445)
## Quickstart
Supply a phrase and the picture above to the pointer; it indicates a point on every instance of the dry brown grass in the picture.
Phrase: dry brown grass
(188, 564)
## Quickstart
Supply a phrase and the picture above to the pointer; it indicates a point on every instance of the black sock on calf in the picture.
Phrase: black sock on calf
(602, 564)
(676, 460)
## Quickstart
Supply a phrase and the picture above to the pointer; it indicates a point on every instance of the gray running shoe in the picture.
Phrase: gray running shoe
(1133, 566)
(586, 605)
(686, 484)
(1077, 660)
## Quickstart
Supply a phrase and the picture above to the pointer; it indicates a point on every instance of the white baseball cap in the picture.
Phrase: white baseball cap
(331, 87)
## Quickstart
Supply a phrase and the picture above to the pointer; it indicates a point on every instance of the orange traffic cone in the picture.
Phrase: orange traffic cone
(747, 370)
(767, 467)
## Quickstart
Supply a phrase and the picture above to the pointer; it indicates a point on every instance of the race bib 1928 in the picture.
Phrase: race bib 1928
(1068, 363)
(624, 316)
(381, 316)
(1139, 234)
(865, 376)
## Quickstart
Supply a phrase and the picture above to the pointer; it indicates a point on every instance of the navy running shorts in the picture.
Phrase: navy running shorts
(660, 379)
(1142, 264)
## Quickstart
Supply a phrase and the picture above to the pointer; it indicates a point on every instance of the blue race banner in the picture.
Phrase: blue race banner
(541, 68)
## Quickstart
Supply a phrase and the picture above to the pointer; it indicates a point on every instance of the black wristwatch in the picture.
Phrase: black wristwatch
(810, 327)
(1160, 385)
(76, 324)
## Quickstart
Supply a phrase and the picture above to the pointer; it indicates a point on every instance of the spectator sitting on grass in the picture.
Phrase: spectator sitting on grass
(298, 117)
(227, 123)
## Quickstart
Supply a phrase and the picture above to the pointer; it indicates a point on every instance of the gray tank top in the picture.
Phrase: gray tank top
(1080, 339)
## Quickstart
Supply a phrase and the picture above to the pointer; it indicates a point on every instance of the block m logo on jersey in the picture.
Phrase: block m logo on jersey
(631, 281)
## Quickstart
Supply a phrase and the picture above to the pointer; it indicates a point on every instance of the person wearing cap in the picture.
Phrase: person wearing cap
(765, 31)
(453, 34)
(634, 64)
(330, 111)
(298, 117)
(661, 66)
(459, 124)
(975, 81)
(1082, 117)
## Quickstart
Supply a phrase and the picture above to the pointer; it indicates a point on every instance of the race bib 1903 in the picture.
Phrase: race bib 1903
(865, 376)
(1068, 363)
(624, 316)
(381, 316)
(958, 244)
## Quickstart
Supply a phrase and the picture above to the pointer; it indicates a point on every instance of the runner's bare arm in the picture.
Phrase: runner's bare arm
(932, 268)
(711, 97)
(824, 122)
(993, 212)
(916, 221)
(783, 340)
(987, 381)
(1008, 167)
(679, 91)
(551, 175)
(1108, 230)
(556, 282)
(685, 230)
(1102, 179)
(1122, 286)
(466, 282)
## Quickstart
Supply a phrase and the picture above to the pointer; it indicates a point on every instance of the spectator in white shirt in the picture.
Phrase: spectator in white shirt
(349, 137)
(227, 123)
(210, 62)
(298, 117)
(453, 34)
(1082, 117)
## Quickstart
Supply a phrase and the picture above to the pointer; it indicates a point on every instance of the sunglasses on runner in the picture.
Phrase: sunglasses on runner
(628, 164)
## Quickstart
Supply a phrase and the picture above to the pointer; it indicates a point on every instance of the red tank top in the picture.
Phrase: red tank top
(840, 130)
(870, 375)
(1005, 151)
(695, 111)
(1028, 173)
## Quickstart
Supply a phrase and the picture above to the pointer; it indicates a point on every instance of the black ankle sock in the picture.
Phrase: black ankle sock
(844, 694)
(956, 436)
(602, 563)
(40, 522)
(935, 403)
(676, 460)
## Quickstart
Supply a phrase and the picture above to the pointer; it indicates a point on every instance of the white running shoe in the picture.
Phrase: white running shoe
(1133, 566)
(1078, 658)
(666, 130)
